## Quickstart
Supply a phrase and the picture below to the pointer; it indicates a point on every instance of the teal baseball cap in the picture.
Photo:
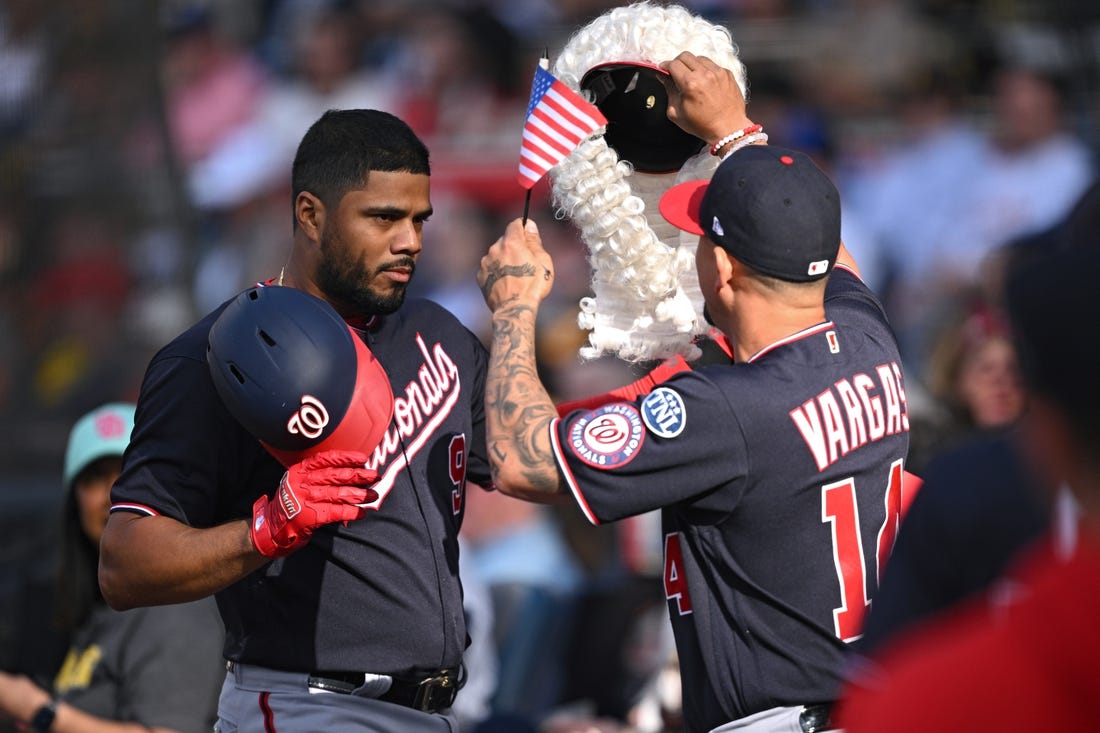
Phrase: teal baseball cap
(105, 431)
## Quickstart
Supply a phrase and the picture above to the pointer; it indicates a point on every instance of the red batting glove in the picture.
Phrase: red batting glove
(326, 487)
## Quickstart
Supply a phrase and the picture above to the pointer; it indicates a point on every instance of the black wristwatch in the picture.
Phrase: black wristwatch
(42, 720)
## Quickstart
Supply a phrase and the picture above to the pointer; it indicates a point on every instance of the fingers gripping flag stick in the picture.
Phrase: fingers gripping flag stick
(557, 120)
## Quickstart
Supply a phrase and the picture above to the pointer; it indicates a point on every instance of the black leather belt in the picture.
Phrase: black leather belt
(815, 718)
(430, 694)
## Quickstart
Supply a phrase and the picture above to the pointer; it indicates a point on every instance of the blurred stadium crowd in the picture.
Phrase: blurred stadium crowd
(145, 151)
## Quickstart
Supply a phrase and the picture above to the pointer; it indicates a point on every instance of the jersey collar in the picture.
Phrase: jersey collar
(362, 323)
(791, 339)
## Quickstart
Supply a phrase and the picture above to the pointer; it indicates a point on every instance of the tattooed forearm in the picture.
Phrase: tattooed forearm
(497, 271)
(518, 409)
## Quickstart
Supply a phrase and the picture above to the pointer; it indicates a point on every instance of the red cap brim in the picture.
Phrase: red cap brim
(680, 205)
(621, 64)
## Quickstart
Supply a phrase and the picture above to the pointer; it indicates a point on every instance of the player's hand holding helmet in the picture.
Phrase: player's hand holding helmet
(331, 486)
(293, 373)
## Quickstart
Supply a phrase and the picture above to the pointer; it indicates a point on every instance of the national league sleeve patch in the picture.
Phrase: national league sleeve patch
(607, 437)
(663, 412)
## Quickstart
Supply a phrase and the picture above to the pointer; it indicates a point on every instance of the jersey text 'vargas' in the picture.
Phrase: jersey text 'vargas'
(852, 413)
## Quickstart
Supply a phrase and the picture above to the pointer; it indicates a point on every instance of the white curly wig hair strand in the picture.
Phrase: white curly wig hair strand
(646, 302)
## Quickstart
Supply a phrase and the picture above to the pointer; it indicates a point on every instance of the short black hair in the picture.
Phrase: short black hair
(341, 148)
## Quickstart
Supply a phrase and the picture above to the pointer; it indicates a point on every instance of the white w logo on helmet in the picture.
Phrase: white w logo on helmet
(310, 419)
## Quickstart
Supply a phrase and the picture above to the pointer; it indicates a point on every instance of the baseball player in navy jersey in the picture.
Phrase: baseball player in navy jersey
(337, 578)
(778, 476)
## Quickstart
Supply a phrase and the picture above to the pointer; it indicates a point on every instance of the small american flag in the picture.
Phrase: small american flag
(557, 120)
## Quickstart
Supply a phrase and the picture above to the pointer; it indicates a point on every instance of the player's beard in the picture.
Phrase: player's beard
(346, 279)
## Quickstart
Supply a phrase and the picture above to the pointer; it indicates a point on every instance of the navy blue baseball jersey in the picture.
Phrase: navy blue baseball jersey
(379, 595)
(779, 482)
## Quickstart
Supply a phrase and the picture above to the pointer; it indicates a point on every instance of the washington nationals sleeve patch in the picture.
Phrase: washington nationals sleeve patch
(663, 412)
(608, 437)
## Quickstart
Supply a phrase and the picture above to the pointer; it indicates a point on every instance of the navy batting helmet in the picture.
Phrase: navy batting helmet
(296, 376)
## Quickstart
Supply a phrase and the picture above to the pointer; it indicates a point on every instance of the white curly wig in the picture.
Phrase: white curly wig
(646, 300)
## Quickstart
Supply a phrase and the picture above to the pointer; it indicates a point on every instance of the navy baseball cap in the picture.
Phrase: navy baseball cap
(634, 101)
(772, 208)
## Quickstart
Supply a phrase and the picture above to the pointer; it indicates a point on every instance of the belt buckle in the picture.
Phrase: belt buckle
(435, 693)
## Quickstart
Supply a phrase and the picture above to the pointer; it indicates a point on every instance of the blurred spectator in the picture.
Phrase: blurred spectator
(1031, 172)
(161, 667)
(944, 205)
(899, 196)
(973, 371)
(972, 377)
(213, 86)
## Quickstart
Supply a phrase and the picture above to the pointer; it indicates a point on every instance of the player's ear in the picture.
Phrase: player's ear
(309, 213)
(724, 266)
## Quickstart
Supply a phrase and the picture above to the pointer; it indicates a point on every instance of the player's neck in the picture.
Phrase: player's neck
(291, 277)
(760, 324)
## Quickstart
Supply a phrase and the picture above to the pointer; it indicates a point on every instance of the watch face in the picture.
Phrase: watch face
(43, 717)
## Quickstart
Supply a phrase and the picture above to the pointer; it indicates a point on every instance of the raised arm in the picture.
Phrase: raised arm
(704, 100)
(516, 275)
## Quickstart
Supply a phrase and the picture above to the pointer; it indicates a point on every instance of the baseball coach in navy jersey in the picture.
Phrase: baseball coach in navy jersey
(778, 475)
(336, 572)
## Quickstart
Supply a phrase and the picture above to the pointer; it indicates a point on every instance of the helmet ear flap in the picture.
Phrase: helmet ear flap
(295, 375)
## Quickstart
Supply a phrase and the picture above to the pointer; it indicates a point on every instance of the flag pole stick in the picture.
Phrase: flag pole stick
(544, 62)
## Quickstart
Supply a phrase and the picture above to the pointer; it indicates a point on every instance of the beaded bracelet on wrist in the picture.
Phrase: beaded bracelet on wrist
(746, 141)
(717, 147)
